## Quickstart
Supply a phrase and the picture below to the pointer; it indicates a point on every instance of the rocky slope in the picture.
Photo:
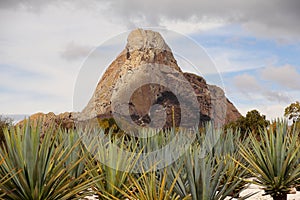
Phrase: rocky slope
(145, 79)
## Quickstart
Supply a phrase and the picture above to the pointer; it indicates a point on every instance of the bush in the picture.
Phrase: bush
(252, 123)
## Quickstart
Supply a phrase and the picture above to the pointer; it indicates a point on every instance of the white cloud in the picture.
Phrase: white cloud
(250, 92)
(286, 76)
(232, 60)
(251, 88)
(74, 51)
(246, 82)
(270, 18)
(271, 111)
(191, 25)
(50, 38)
(33, 44)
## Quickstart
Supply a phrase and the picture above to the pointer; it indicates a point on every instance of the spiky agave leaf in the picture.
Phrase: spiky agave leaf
(152, 185)
(45, 170)
(227, 146)
(77, 152)
(210, 170)
(297, 130)
(273, 160)
(5, 176)
(181, 186)
(110, 161)
(171, 145)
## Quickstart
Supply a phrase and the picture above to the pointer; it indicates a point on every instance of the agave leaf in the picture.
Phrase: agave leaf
(150, 186)
(181, 186)
(48, 166)
(273, 161)
(211, 170)
(108, 160)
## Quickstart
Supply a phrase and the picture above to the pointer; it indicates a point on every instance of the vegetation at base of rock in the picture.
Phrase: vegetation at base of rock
(252, 122)
(216, 165)
(108, 124)
(211, 171)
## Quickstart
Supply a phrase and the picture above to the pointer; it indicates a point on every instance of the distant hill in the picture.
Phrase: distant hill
(16, 117)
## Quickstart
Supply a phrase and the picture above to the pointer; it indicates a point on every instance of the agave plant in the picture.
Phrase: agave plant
(273, 160)
(5, 177)
(298, 141)
(161, 148)
(153, 186)
(227, 146)
(211, 177)
(211, 170)
(169, 147)
(109, 160)
(46, 167)
(181, 186)
(73, 146)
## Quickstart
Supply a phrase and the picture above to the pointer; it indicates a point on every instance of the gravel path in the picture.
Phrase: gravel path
(251, 189)
(259, 195)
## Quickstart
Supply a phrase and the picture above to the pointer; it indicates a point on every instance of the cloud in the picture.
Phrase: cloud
(230, 59)
(38, 66)
(271, 111)
(250, 92)
(251, 88)
(270, 18)
(47, 41)
(246, 82)
(75, 51)
(285, 75)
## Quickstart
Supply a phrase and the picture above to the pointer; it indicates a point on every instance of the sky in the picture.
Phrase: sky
(254, 45)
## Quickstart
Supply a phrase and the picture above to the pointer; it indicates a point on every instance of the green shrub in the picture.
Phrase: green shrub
(251, 123)
(108, 124)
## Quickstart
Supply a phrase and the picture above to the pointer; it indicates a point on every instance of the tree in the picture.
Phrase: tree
(252, 122)
(4, 123)
(292, 112)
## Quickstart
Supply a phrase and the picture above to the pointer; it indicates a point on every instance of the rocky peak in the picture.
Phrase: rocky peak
(143, 47)
(141, 40)
(145, 56)
(146, 46)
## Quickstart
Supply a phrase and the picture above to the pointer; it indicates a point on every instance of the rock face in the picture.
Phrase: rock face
(66, 120)
(145, 85)
(223, 110)
(142, 47)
